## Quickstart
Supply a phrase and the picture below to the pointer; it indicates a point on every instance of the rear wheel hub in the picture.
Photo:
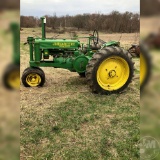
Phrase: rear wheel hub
(112, 73)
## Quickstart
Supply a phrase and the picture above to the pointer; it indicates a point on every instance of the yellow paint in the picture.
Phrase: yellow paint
(14, 79)
(113, 73)
(33, 79)
(143, 69)
(64, 44)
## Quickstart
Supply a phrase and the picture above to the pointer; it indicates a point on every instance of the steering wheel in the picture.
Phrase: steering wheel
(96, 37)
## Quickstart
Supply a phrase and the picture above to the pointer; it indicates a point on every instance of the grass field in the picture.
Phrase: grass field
(63, 120)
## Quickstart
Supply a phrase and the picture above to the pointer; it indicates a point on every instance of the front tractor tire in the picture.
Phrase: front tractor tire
(109, 71)
(11, 77)
(33, 77)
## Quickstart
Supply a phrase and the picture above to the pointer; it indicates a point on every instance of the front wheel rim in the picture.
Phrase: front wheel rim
(33, 79)
(13, 80)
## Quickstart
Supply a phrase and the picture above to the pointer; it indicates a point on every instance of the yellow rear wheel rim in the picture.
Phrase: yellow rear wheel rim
(13, 79)
(143, 69)
(113, 73)
(33, 79)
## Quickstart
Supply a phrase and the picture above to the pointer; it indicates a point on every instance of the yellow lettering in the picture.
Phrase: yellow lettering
(63, 44)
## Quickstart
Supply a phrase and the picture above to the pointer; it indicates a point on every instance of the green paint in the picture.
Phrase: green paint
(111, 43)
(16, 42)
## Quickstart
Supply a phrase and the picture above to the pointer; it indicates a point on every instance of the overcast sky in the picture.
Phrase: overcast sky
(73, 7)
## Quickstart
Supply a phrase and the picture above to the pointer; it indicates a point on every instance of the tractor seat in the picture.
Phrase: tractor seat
(95, 47)
(92, 47)
(134, 45)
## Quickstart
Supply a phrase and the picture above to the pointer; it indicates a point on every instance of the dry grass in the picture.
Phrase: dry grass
(149, 25)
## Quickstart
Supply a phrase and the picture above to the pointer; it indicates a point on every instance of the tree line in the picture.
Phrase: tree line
(150, 7)
(114, 22)
(9, 4)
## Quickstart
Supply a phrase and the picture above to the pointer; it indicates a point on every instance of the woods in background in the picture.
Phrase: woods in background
(114, 22)
(150, 7)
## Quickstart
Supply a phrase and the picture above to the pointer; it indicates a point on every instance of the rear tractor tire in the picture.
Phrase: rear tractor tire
(110, 70)
(33, 77)
(145, 66)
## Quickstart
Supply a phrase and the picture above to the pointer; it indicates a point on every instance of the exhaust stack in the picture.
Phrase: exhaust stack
(43, 19)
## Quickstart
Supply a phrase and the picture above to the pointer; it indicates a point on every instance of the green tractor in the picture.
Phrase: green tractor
(108, 68)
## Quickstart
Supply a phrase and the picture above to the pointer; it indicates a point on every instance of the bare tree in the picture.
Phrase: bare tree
(114, 22)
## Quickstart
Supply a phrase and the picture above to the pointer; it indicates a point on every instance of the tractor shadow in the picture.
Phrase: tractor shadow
(77, 83)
